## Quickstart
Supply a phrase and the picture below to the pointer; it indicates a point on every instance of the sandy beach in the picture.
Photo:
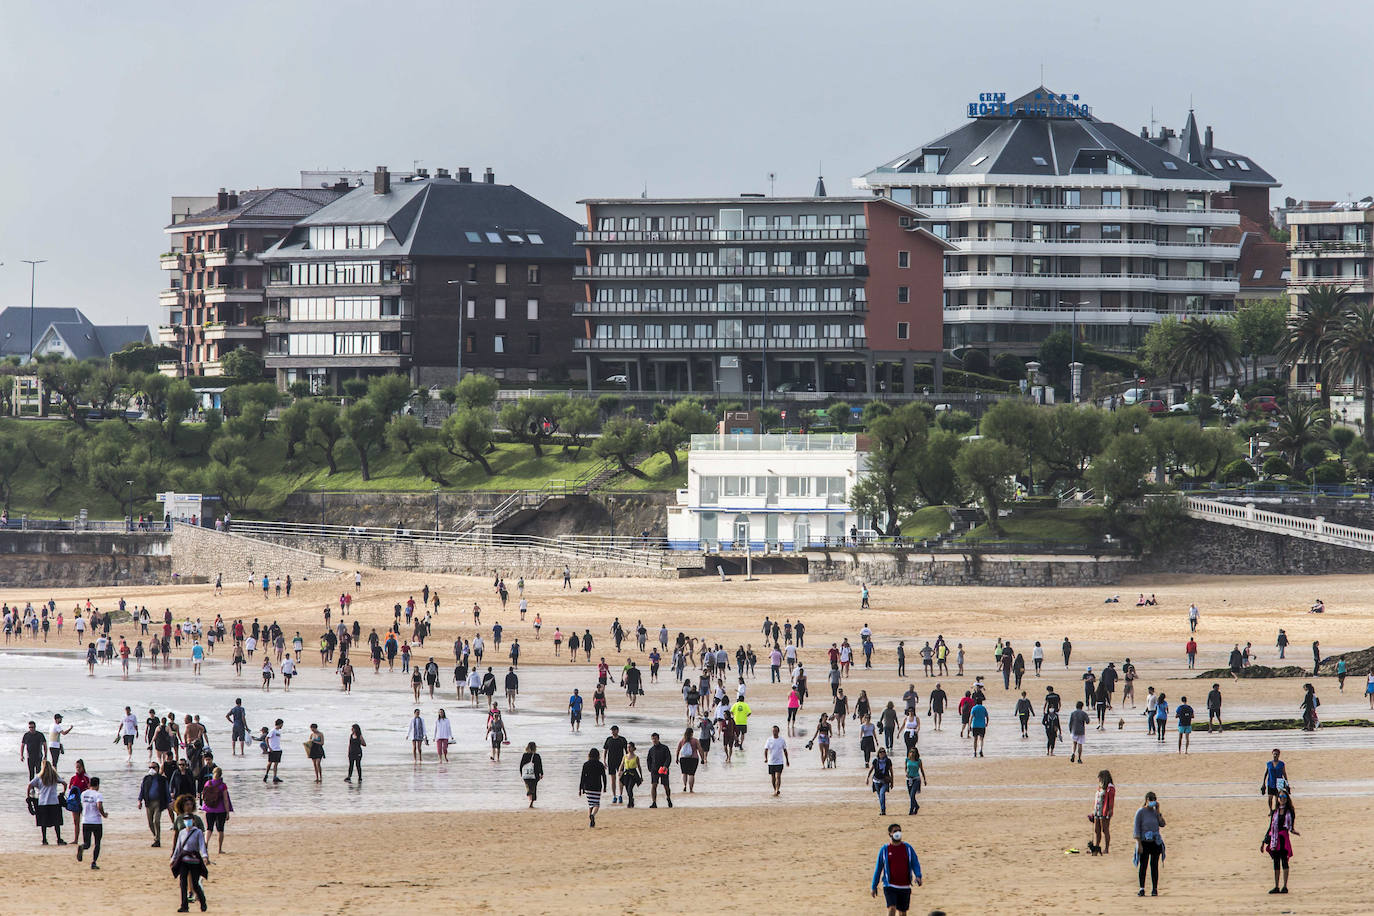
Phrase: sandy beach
(992, 832)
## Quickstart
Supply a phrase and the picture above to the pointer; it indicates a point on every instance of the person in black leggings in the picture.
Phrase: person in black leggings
(355, 754)
(1149, 843)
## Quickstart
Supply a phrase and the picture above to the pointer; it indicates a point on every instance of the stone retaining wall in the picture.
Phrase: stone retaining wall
(1206, 547)
(968, 569)
(205, 552)
(73, 559)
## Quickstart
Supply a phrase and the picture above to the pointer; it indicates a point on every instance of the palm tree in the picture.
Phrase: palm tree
(1351, 351)
(1299, 423)
(1205, 345)
(1311, 330)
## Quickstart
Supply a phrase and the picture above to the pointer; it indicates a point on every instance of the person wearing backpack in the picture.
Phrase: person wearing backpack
(531, 771)
(189, 860)
(215, 802)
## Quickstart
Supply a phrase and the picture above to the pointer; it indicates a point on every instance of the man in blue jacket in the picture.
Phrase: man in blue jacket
(154, 798)
(897, 869)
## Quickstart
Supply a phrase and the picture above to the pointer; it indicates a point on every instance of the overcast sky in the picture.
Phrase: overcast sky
(111, 108)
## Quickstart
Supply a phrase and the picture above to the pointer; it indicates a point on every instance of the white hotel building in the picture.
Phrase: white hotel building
(1055, 212)
(770, 492)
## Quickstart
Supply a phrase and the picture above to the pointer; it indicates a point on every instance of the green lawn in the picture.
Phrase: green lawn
(928, 522)
(658, 475)
(1065, 526)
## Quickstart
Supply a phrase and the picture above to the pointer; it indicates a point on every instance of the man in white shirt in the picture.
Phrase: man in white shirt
(273, 752)
(775, 753)
(55, 737)
(128, 731)
(416, 735)
(92, 821)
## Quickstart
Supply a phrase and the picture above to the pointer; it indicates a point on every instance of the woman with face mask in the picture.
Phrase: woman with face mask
(1149, 842)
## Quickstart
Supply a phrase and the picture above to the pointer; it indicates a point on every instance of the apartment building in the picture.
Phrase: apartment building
(214, 298)
(429, 277)
(1330, 243)
(754, 293)
(1057, 216)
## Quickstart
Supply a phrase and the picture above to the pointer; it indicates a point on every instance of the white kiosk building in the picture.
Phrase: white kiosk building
(768, 493)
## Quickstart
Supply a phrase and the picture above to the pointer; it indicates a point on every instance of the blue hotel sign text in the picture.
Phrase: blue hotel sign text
(1041, 105)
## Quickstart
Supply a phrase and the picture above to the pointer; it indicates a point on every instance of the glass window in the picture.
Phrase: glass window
(499, 312)
(939, 196)
(498, 343)
(494, 238)
(1071, 197)
(797, 486)
(731, 219)
(1111, 198)
(532, 273)
(1194, 235)
(1070, 231)
(903, 330)
(532, 309)
(473, 237)
(1111, 231)
(535, 238)
(903, 294)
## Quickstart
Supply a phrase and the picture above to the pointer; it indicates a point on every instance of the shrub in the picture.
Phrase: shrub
(1329, 472)
(1275, 466)
(977, 362)
(1238, 471)
(1008, 366)
(955, 421)
(1313, 454)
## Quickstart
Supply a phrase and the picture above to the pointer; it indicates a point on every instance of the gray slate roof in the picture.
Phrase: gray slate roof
(1011, 143)
(431, 218)
(287, 204)
(84, 339)
(1190, 144)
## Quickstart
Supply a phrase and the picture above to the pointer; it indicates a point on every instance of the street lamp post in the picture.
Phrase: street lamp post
(131, 504)
(33, 277)
(462, 311)
(436, 512)
(1076, 375)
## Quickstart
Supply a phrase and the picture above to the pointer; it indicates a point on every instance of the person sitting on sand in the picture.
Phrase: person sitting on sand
(1114, 599)
(1317, 608)
(1140, 602)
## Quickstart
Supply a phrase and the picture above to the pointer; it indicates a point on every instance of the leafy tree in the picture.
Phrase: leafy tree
(227, 449)
(1159, 522)
(68, 380)
(955, 421)
(1118, 473)
(1009, 366)
(1297, 424)
(977, 362)
(607, 404)
(181, 400)
(249, 406)
(114, 457)
(299, 390)
(985, 466)
(1341, 437)
(875, 409)
(143, 357)
(1311, 331)
(839, 415)
(1351, 352)
(933, 476)
(106, 387)
(325, 432)
(476, 390)
(355, 388)
(1204, 346)
(1056, 352)
(294, 425)
(236, 483)
(1259, 328)
(524, 420)
(621, 440)
(576, 418)
(1238, 471)
(1020, 425)
(366, 428)
(1275, 466)
(467, 433)
(896, 442)
(430, 458)
(390, 393)
(1071, 435)
(404, 433)
(686, 418)
(15, 458)
(243, 364)
(1160, 343)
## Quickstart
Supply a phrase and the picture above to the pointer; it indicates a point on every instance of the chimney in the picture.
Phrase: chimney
(381, 181)
(1207, 143)
(464, 173)
(441, 173)
(341, 185)
(489, 178)
(233, 201)
(222, 200)
(1144, 133)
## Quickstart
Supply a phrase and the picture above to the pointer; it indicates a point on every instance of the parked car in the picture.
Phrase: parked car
(622, 381)
(1264, 402)
(1155, 406)
(1134, 395)
(1218, 405)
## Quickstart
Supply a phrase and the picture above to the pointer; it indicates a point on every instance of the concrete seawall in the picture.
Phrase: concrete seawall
(204, 552)
(968, 569)
(72, 559)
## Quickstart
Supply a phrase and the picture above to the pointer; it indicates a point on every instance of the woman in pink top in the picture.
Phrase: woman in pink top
(793, 704)
(216, 804)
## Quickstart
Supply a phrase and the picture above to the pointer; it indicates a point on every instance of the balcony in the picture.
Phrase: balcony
(172, 367)
(1112, 248)
(170, 334)
(219, 295)
(172, 298)
(211, 368)
(172, 261)
(1040, 213)
(233, 332)
(687, 345)
(1333, 247)
(385, 359)
(1350, 284)
(224, 257)
(847, 306)
(722, 271)
(1128, 282)
(977, 314)
(717, 236)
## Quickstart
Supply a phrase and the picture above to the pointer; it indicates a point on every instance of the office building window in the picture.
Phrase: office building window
(1111, 231)
(1194, 235)
(653, 332)
(470, 344)
(1070, 231)
(701, 331)
(532, 309)
(903, 330)
(532, 344)
(903, 294)
(1195, 269)
(758, 222)
(653, 259)
(602, 332)
(782, 331)
(903, 259)
(758, 259)
(605, 224)
(783, 222)
(630, 223)
(532, 273)
(1111, 198)
(628, 331)
(706, 223)
(499, 313)
(939, 196)
(498, 343)
(472, 273)
(680, 223)
(677, 331)
(1072, 197)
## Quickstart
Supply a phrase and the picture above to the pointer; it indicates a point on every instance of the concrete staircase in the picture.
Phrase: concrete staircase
(1247, 516)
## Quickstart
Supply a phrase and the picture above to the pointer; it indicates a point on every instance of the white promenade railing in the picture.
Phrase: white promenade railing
(633, 550)
(1247, 516)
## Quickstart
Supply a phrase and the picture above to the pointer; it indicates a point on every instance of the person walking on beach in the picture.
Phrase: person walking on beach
(356, 743)
(775, 753)
(33, 747)
(531, 771)
(443, 734)
(273, 752)
(1277, 840)
(880, 778)
(189, 859)
(1214, 707)
(935, 706)
(237, 717)
(154, 798)
(1078, 731)
(614, 748)
(215, 802)
(689, 754)
(1161, 717)
(1149, 842)
(1104, 804)
(46, 791)
(1024, 709)
(496, 731)
(314, 749)
(659, 760)
(575, 711)
(592, 783)
(93, 816)
(631, 774)
(897, 869)
(1192, 617)
(1309, 708)
(978, 727)
(1067, 648)
(915, 775)
(1183, 713)
(1275, 779)
(417, 736)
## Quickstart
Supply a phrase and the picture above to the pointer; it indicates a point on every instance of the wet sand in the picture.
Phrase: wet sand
(991, 834)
